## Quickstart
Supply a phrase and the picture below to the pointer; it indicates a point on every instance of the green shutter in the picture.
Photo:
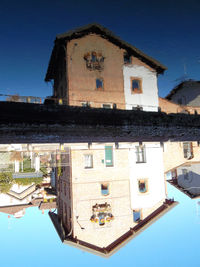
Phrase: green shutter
(109, 156)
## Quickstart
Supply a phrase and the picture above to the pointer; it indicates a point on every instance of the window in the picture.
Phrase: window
(136, 215)
(137, 107)
(109, 156)
(136, 86)
(140, 154)
(187, 150)
(142, 186)
(127, 58)
(99, 83)
(174, 174)
(88, 161)
(185, 174)
(65, 188)
(104, 189)
(106, 105)
(85, 104)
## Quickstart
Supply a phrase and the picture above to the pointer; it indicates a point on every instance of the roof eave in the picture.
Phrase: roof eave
(105, 33)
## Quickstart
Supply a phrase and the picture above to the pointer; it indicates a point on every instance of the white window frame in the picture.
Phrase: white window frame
(88, 161)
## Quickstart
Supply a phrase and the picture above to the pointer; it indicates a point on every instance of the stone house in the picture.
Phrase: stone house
(186, 178)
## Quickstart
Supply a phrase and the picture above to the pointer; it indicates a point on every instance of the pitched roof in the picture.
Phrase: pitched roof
(14, 209)
(118, 243)
(105, 33)
(180, 86)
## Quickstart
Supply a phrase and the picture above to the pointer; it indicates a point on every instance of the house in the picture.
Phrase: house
(177, 153)
(186, 93)
(182, 166)
(108, 192)
(90, 66)
(19, 195)
(187, 179)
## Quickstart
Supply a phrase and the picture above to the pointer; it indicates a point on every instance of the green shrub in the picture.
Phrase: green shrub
(43, 170)
(5, 177)
(5, 187)
(27, 163)
(28, 170)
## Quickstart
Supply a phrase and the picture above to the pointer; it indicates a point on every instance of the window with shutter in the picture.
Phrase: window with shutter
(109, 156)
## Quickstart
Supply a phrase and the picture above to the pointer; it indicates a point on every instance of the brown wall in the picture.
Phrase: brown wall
(170, 107)
(82, 81)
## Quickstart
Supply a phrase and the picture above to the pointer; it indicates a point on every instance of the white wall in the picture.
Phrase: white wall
(149, 97)
(153, 170)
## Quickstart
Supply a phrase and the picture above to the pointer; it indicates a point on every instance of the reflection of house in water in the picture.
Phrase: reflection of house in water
(182, 162)
(25, 178)
(19, 195)
(108, 192)
(27, 161)
(19, 211)
(187, 178)
(178, 153)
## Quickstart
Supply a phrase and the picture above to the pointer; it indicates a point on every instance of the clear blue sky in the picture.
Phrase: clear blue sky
(166, 30)
(172, 241)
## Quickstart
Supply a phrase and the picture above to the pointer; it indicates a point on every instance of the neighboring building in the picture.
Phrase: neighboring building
(186, 93)
(187, 179)
(18, 211)
(90, 66)
(182, 166)
(19, 195)
(24, 99)
(107, 192)
(178, 153)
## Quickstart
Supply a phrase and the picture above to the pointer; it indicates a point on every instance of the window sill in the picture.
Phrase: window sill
(136, 92)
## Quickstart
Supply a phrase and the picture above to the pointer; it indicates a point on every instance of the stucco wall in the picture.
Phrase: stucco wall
(153, 171)
(87, 193)
(174, 157)
(87, 190)
(148, 99)
(82, 81)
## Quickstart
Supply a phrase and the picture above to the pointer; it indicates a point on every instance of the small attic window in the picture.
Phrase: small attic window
(127, 58)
